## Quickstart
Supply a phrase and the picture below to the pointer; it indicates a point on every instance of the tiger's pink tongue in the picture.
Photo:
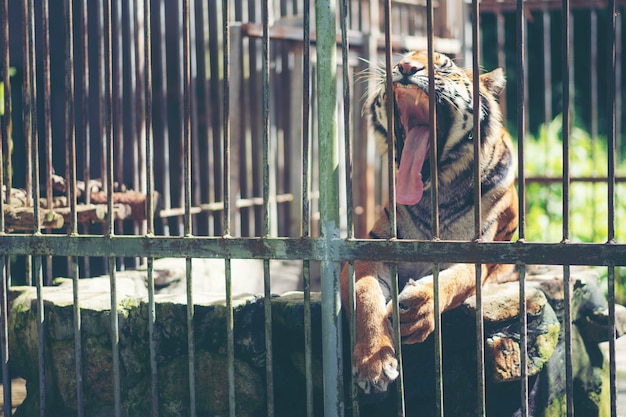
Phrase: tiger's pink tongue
(409, 185)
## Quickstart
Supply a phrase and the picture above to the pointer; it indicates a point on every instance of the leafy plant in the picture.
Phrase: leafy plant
(588, 201)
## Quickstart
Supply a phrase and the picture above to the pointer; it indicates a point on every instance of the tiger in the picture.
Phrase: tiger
(374, 355)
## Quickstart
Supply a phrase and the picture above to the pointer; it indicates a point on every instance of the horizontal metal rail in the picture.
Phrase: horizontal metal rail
(534, 253)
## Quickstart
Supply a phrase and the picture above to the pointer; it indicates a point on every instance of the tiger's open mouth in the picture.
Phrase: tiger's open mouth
(413, 127)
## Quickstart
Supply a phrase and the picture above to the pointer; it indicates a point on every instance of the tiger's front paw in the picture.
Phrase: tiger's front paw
(376, 364)
(416, 311)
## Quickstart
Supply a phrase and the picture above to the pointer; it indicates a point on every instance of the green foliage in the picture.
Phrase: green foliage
(588, 201)
(543, 157)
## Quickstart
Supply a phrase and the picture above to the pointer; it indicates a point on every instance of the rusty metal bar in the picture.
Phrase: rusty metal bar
(71, 163)
(32, 180)
(85, 108)
(5, 144)
(554, 180)
(351, 307)
(186, 139)
(149, 142)
(163, 112)
(345, 51)
(4, 335)
(521, 135)
(70, 121)
(434, 202)
(118, 115)
(107, 107)
(269, 371)
(305, 222)
(102, 95)
(86, 132)
(501, 40)
(612, 134)
(477, 139)
(27, 98)
(401, 250)
(547, 68)
(7, 141)
(47, 128)
(566, 128)
(619, 51)
(109, 132)
(393, 227)
(226, 217)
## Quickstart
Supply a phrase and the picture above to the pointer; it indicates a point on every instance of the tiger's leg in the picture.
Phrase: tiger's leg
(416, 301)
(374, 354)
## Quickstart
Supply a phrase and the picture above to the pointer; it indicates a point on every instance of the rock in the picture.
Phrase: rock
(546, 349)
(544, 302)
(501, 322)
(171, 340)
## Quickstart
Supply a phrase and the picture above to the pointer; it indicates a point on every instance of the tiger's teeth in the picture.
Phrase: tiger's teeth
(417, 97)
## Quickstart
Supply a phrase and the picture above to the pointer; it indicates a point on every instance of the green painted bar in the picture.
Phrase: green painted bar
(325, 23)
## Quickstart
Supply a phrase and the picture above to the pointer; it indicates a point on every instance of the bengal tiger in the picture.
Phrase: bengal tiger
(374, 355)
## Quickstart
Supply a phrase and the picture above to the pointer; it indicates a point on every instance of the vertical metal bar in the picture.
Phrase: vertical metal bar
(477, 139)
(393, 228)
(147, 33)
(47, 128)
(566, 103)
(179, 180)
(345, 52)
(5, 146)
(186, 134)
(4, 337)
(434, 196)
(619, 51)
(547, 68)
(109, 132)
(117, 61)
(85, 109)
(501, 40)
(118, 106)
(131, 90)
(230, 328)
(226, 113)
(269, 372)
(163, 111)
(611, 139)
(107, 107)
(102, 95)
(593, 76)
(32, 157)
(325, 22)
(71, 181)
(306, 114)
(70, 135)
(27, 98)
(521, 134)
(7, 141)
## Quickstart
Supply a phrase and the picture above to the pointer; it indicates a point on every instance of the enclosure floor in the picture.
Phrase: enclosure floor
(18, 393)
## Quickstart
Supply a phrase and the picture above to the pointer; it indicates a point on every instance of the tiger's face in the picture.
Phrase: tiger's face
(454, 110)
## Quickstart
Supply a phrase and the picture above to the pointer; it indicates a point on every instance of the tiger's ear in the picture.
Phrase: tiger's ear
(494, 81)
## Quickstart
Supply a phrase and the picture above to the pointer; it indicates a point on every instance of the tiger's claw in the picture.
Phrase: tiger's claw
(376, 368)
(416, 312)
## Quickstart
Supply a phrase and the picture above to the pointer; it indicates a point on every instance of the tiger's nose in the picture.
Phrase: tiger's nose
(407, 67)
